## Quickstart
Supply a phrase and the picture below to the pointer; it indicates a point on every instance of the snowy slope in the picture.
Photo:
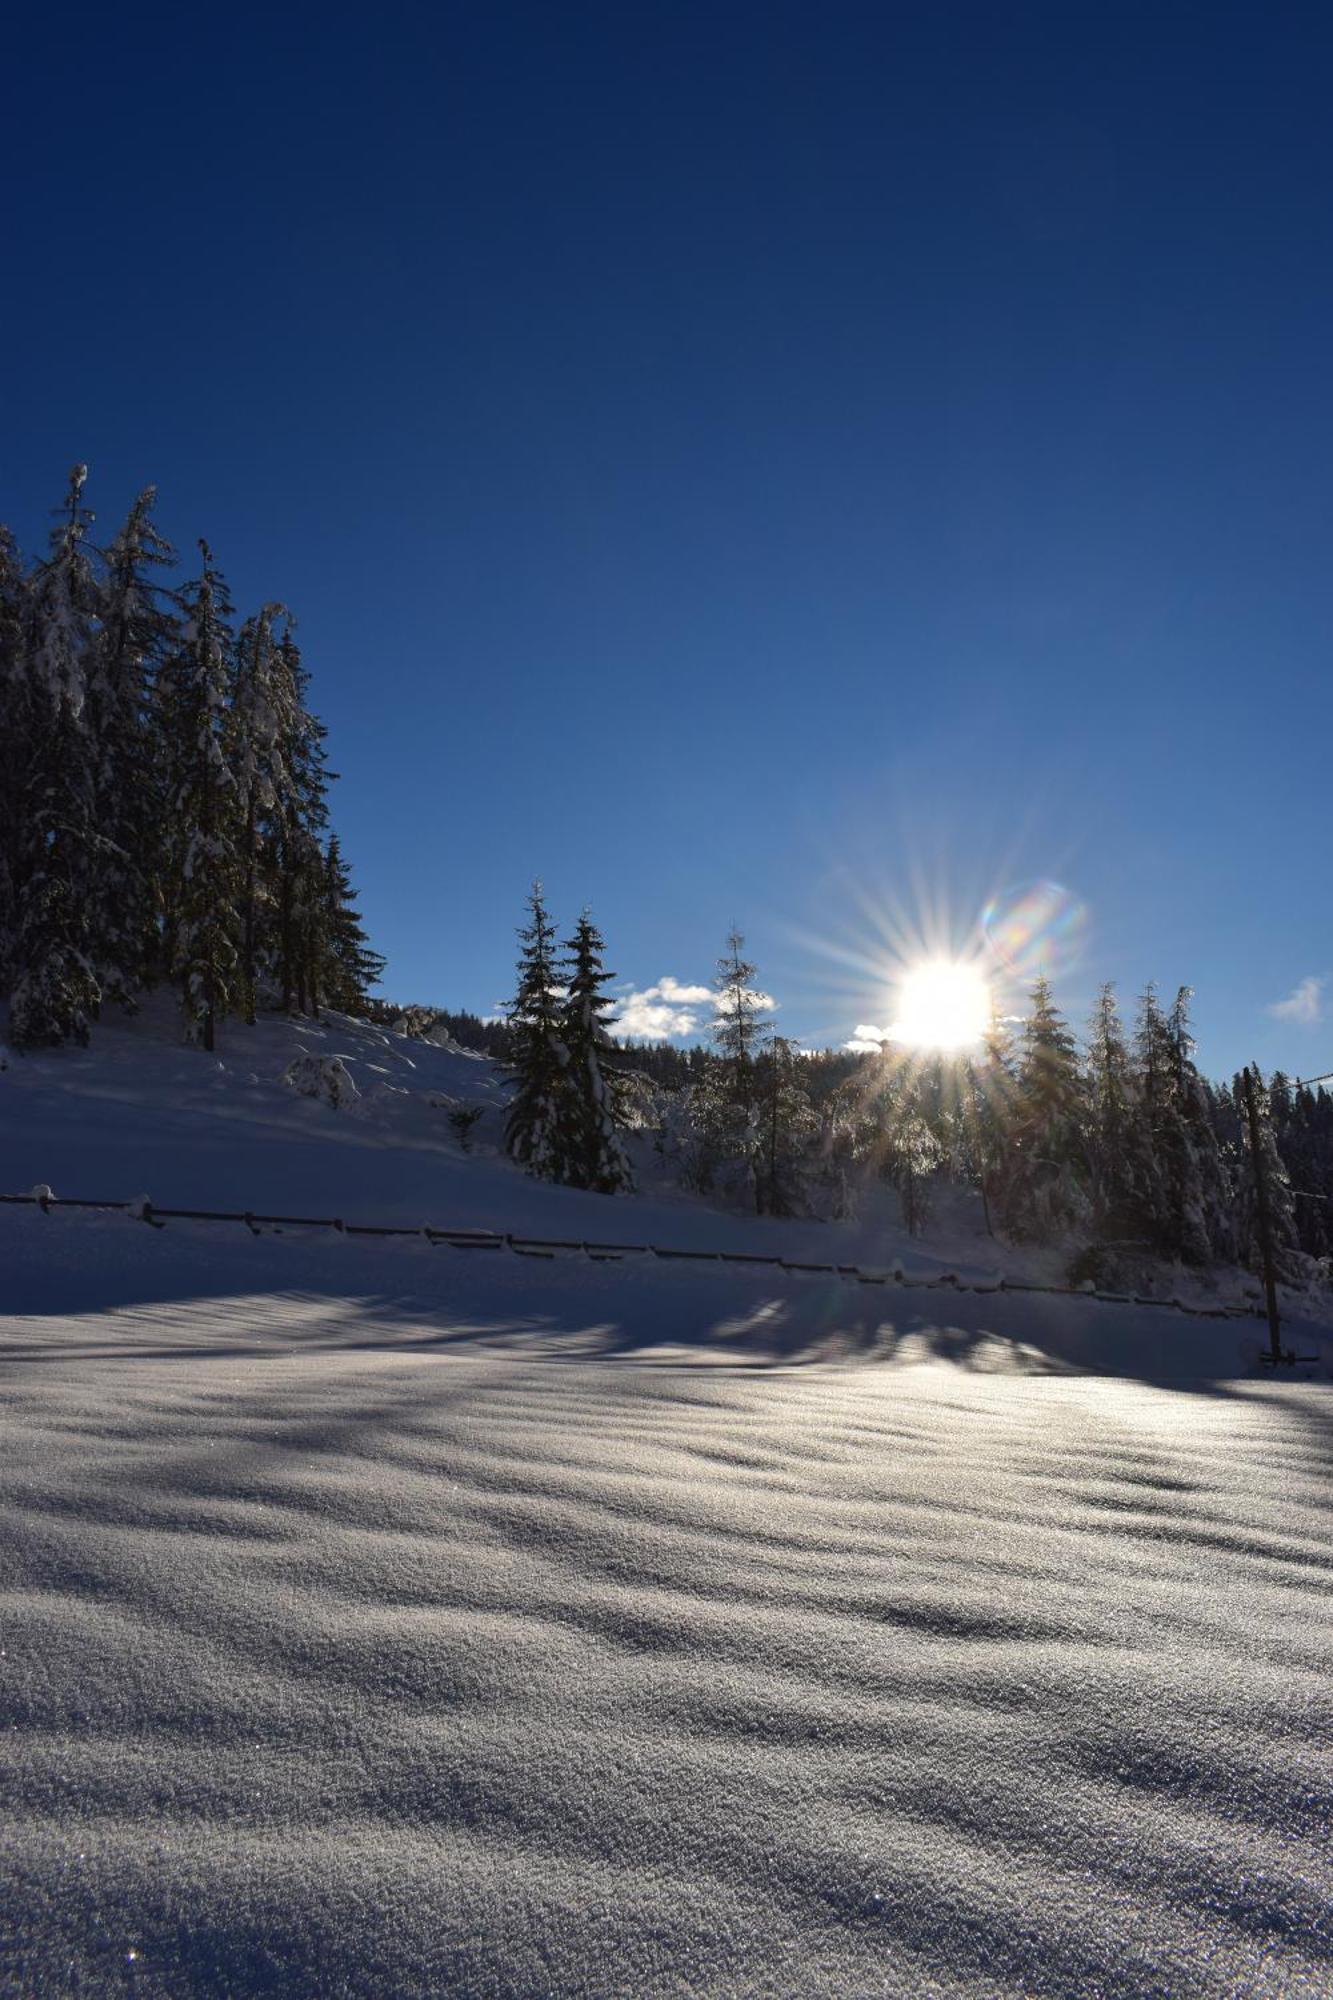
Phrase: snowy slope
(385, 1619)
(377, 1621)
(136, 1113)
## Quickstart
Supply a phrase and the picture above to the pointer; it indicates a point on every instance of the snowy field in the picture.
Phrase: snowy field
(403, 1621)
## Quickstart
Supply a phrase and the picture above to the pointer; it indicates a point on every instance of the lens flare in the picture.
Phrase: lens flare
(942, 1005)
(1036, 929)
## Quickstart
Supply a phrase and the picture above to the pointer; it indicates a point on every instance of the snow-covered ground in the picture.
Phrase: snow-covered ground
(384, 1619)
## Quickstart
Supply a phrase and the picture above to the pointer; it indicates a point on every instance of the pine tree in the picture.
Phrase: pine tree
(992, 1102)
(590, 1144)
(1281, 1207)
(1047, 1191)
(1126, 1185)
(254, 739)
(537, 1126)
(15, 746)
(912, 1152)
(206, 872)
(739, 1028)
(1200, 1203)
(300, 817)
(136, 634)
(352, 967)
(56, 991)
(785, 1127)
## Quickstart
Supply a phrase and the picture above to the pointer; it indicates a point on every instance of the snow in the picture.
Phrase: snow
(380, 1618)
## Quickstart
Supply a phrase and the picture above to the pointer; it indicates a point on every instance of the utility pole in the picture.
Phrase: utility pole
(1265, 1222)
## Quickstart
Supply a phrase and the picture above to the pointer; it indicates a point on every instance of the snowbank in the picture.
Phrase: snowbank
(381, 1621)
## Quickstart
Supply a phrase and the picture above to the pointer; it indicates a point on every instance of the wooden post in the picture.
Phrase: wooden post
(1265, 1226)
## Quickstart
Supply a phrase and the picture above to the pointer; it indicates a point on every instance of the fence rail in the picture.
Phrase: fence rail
(552, 1247)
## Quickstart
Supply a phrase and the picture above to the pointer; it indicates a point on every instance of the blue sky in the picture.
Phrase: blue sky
(813, 466)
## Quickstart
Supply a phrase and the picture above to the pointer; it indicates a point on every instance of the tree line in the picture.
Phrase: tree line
(1118, 1144)
(164, 787)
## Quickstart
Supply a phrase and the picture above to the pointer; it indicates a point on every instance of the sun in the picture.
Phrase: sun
(943, 1004)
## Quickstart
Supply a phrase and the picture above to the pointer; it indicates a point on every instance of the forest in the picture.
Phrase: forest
(164, 794)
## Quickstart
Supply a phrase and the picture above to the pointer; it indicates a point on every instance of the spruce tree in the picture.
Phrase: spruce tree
(15, 747)
(136, 634)
(537, 1126)
(1199, 1198)
(591, 1146)
(56, 991)
(1047, 1190)
(992, 1105)
(1126, 1185)
(299, 820)
(912, 1152)
(739, 1028)
(255, 744)
(1281, 1206)
(352, 968)
(785, 1128)
(206, 872)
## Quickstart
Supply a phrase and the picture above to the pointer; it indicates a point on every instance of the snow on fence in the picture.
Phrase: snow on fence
(551, 1247)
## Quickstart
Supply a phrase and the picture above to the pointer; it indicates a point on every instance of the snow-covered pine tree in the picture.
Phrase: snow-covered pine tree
(352, 968)
(15, 745)
(725, 1113)
(1298, 1139)
(137, 632)
(537, 1124)
(205, 875)
(299, 820)
(739, 1028)
(1047, 1186)
(786, 1127)
(991, 1076)
(55, 990)
(591, 1144)
(1126, 1184)
(911, 1151)
(1281, 1206)
(254, 738)
(1201, 1207)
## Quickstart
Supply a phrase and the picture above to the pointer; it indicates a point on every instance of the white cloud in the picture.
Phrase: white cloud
(660, 1013)
(672, 1008)
(1302, 1004)
(671, 989)
(641, 1020)
(763, 1003)
(868, 1038)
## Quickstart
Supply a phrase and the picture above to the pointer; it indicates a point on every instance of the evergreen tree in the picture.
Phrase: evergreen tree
(739, 1028)
(1199, 1199)
(300, 818)
(912, 1152)
(590, 1145)
(537, 1126)
(1047, 1185)
(254, 754)
(15, 746)
(785, 1128)
(993, 1089)
(1126, 1185)
(56, 991)
(206, 872)
(352, 967)
(1281, 1206)
(136, 634)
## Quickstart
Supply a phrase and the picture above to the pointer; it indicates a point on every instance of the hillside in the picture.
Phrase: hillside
(382, 1617)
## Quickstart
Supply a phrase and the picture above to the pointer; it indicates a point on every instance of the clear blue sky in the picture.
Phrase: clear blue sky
(781, 463)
